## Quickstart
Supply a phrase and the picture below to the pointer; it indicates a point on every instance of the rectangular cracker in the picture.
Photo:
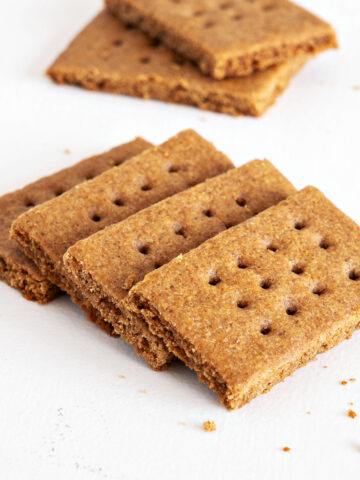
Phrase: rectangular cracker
(229, 38)
(16, 269)
(254, 303)
(109, 57)
(106, 265)
(47, 231)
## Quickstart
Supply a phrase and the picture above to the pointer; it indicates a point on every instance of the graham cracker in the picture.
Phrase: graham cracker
(229, 38)
(47, 231)
(251, 305)
(16, 269)
(108, 56)
(106, 265)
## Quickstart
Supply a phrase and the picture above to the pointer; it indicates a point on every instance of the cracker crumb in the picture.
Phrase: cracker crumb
(352, 380)
(286, 449)
(309, 413)
(325, 366)
(143, 391)
(352, 414)
(183, 423)
(121, 376)
(351, 403)
(343, 382)
(67, 151)
(209, 426)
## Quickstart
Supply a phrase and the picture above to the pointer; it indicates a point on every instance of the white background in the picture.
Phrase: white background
(64, 410)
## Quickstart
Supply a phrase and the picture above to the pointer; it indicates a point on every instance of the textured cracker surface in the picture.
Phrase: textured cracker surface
(107, 56)
(249, 306)
(47, 231)
(229, 38)
(15, 268)
(106, 265)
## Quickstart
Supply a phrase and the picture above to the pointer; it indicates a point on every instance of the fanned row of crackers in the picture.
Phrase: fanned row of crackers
(183, 255)
(231, 57)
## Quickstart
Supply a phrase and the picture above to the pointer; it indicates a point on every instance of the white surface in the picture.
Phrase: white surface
(64, 411)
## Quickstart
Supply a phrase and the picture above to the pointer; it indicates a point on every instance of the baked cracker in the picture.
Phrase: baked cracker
(251, 305)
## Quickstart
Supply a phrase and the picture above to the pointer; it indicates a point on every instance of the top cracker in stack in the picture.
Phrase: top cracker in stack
(229, 38)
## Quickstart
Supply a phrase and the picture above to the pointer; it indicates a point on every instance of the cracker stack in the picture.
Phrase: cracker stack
(182, 255)
(231, 57)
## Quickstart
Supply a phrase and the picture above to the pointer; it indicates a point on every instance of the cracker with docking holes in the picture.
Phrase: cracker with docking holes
(109, 57)
(16, 269)
(251, 305)
(106, 265)
(229, 38)
(47, 231)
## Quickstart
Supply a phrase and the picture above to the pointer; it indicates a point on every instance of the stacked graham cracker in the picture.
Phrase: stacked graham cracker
(183, 255)
(231, 57)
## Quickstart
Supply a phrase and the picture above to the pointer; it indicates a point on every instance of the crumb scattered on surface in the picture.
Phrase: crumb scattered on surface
(286, 449)
(67, 151)
(143, 391)
(343, 382)
(352, 414)
(352, 380)
(325, 366)
(351, 403)
(209, 426)
(183, 423)
(309, 413)
(121, 376)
